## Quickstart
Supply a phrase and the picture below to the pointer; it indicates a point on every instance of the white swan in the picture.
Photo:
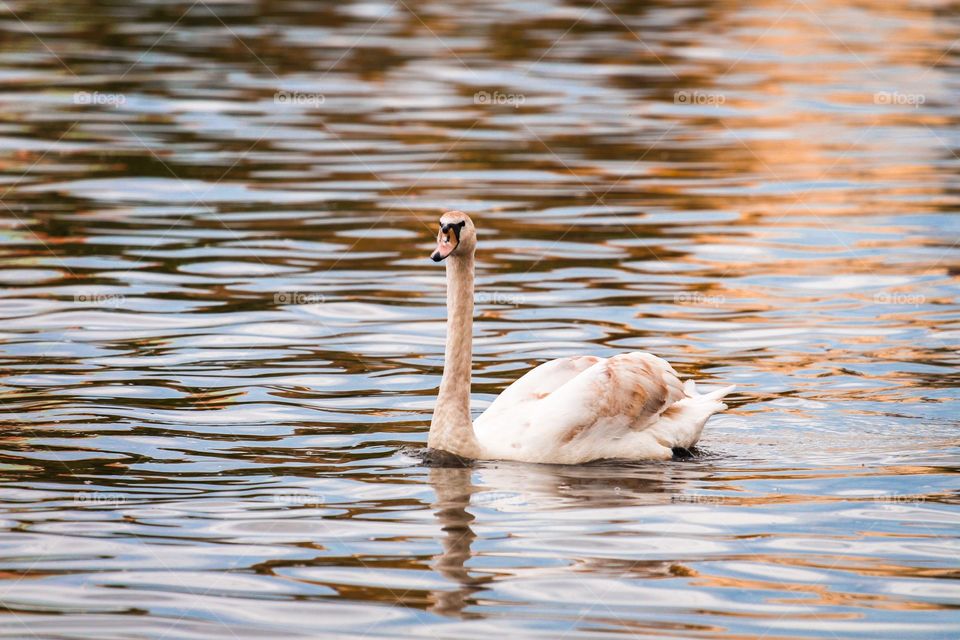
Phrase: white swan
(566, 411)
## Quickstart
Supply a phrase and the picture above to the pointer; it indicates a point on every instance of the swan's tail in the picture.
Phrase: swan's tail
(690, 388)
(682, 423)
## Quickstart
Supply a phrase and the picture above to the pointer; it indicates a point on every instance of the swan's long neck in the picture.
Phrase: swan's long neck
(451, 428)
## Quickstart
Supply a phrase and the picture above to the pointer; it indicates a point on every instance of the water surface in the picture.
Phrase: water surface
(221, 336)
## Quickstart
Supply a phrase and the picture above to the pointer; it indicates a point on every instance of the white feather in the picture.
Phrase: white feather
(574, 410)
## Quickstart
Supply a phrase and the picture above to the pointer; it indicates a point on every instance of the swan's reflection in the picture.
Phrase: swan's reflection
(518, 488)
(453, 488)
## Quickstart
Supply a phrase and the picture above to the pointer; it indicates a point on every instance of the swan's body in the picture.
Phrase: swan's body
(566, 411)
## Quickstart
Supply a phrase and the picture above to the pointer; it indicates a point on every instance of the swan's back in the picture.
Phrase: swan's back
(533, 386)
(574, 410)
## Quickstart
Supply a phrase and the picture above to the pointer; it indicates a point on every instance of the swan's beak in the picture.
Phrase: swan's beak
(447, 241)
(443, 250)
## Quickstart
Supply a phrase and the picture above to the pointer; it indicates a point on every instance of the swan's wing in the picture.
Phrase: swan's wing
(533, 386)
(633, 388)
(594, 414)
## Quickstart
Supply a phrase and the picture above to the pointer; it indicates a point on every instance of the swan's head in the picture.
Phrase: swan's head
(457, 236)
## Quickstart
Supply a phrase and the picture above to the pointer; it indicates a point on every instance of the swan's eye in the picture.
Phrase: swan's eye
(456, 227)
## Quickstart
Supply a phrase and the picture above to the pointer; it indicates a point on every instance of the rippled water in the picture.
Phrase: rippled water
(221, 336)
